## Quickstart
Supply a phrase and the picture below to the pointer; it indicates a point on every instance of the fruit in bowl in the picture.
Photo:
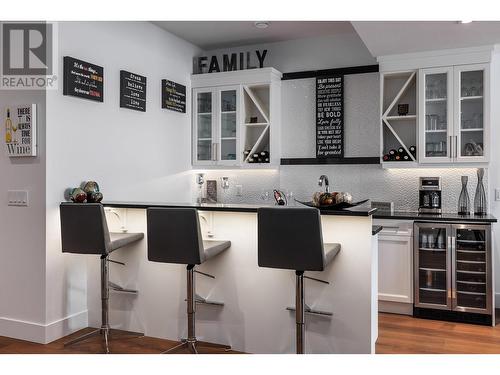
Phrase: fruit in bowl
(331, 198)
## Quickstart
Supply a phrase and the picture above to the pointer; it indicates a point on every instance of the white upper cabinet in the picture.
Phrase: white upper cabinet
(436, 115)
(471, 113)
(453, 114)
(216, 114)
(236, 119)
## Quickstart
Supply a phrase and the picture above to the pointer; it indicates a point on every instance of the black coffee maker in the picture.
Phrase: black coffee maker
(430, 195)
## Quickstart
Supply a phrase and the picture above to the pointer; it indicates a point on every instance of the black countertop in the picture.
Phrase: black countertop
(354, 211)
(445, 217)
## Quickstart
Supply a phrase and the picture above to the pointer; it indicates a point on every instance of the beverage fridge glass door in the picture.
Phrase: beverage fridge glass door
(432, 265)
(471, 265)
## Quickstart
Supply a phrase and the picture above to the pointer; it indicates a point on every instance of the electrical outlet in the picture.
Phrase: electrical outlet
(17, 198)
(497, 194)
(239, 190)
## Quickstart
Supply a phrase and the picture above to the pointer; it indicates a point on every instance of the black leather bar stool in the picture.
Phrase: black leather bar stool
(291, 238)
(84, 230)
(174, 236)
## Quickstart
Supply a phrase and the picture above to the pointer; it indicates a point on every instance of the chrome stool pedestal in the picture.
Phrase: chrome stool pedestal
(94, 238)
(301, 249)
(191, 342)
(174, 236)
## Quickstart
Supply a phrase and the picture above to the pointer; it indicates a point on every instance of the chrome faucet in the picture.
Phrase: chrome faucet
(324, 179)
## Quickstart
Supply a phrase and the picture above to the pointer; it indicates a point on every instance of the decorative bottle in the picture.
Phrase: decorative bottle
(8, 128)
(463, 200)
(480, 196)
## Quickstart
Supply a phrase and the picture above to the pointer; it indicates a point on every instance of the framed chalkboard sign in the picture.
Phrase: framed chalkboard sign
(173, 96)
(83, 79)
(330, 117)
(132, 91)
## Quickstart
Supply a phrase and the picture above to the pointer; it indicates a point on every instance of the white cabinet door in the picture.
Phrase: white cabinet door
(228, 125)
(395, 280)
(436, 115)
(204, 127)
(471, 110)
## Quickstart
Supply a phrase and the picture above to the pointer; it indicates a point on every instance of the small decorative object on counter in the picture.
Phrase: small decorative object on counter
(480, 196)
(403, 109)
(211, 191)
(77, 195)
(224, 182)
(463, 200)
(200, 180)
(279, 197)
(91, 188)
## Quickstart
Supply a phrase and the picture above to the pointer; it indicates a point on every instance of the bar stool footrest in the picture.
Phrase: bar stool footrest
(308, 310)
(203, 301)
(118, 288)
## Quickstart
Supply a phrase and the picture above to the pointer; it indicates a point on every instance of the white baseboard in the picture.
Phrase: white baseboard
(66, 326)
(395, 307)
(43, 333)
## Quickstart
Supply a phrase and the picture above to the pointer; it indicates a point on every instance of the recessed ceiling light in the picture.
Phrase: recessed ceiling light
(261, 24)
(466, 21)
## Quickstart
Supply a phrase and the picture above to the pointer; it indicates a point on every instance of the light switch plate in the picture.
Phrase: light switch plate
(239, 190)
(497, 194)
(17, 198)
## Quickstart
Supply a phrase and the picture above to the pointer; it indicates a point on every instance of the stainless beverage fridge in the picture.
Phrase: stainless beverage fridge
(453, 272)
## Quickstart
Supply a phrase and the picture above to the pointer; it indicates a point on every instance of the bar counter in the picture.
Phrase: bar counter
(254, 318)
(354, 211)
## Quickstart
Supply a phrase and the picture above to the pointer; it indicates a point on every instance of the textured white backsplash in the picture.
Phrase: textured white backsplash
(362, 138)
(368, 181)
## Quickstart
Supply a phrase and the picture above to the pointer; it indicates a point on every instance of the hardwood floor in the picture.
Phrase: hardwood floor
(401, 334)
(122, 344)
(398, 334)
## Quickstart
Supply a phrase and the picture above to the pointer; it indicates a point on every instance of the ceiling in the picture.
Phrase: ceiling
(394, 37)
(209, 35)
(380, 37)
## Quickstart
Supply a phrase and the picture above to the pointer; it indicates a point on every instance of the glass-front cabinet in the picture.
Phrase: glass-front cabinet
(436, 106)
(453, 114)
(215, 126)
(471, 131)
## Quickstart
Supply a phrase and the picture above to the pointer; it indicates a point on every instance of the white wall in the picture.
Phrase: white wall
(326, 52)
(22, 230)
(133, 155)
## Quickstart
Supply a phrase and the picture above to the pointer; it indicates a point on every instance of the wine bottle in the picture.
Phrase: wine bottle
(392, 152)
(401, 151)
(406, 157)
(413, 150)
(255, 156)
(246, 153)
(397, 157)
(385, 157)
(266, 160)
(251, 160)
(8, 128)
